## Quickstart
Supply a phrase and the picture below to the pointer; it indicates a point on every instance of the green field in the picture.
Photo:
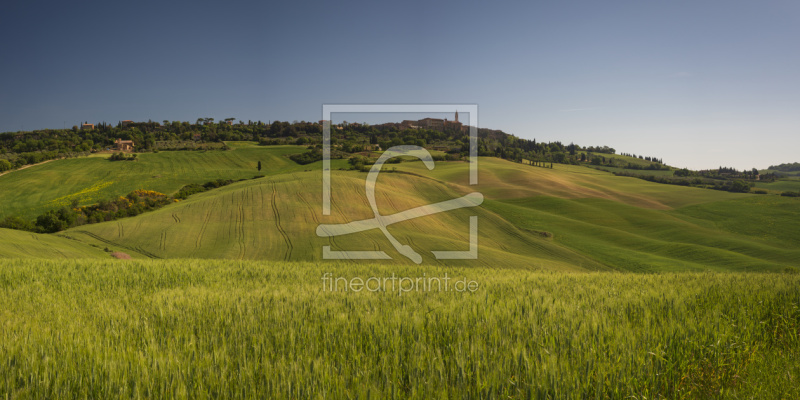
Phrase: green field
(20, 244)
(633, 225)
(224, 297)
(567, 218)
(276, 218)
(229, 329)
(34, 190)
(781, 185)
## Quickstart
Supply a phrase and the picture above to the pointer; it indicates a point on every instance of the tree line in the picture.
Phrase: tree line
(736, 186)
(793, 167)
(20, 148)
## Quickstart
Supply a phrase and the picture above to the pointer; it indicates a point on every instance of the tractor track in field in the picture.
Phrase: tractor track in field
(413, 245)
(163, 243)
(311, 209)
(120, 230)
(332, 239)
(202, 232)
(240, 225)
(136, 249)
(394, 208)
(289, 246)
(308, 205)
(176, 218)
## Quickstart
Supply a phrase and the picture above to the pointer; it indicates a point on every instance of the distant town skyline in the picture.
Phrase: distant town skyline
(699, 84)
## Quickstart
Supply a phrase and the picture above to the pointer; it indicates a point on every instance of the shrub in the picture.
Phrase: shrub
(13, 222)
(307, 157)
(122, 157)
(189, 190)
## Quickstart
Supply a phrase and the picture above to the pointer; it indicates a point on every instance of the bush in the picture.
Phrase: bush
(739, 187)
(760, 191)
(307, 157)
(16, 223)
(189, 190)
(360, 163)
(217, 183)
(55, 220)
(122, 157)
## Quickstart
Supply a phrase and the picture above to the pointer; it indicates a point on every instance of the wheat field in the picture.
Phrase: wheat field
(244, 329)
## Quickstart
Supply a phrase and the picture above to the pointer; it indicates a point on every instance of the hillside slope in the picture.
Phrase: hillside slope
(40, 188)
(276, 219)
(569, 217)
(19, 244)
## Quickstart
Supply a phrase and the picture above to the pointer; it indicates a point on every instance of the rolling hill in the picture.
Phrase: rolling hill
(276, 218)
(565, 218)
(20, 244)
(32, 191)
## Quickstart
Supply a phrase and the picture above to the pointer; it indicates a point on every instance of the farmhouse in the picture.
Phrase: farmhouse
(87, 126)
(124, 145)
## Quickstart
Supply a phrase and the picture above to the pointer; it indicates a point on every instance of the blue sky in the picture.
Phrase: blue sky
(697, 83)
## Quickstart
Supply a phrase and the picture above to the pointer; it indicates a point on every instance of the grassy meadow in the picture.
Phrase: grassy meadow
(21, 244)
(32, 191)
(781, 185)
(569, 218)
(275, 218)
(243, 329)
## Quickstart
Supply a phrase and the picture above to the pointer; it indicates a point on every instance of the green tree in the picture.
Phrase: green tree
(56, 220)
(259, 166)
(15, 222)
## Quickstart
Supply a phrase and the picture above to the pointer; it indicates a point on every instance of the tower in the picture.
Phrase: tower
(456, 116)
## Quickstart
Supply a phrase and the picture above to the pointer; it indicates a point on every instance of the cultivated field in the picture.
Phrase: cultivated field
(20, 244)
(34, 190)
(275, 218)
(225, 296)
(227, 329)
(565, 218)
(782, 185)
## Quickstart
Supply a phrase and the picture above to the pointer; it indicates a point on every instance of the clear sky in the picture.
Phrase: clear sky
(697, 83)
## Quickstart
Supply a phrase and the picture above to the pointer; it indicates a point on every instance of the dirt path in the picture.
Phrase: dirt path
(28, 166)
